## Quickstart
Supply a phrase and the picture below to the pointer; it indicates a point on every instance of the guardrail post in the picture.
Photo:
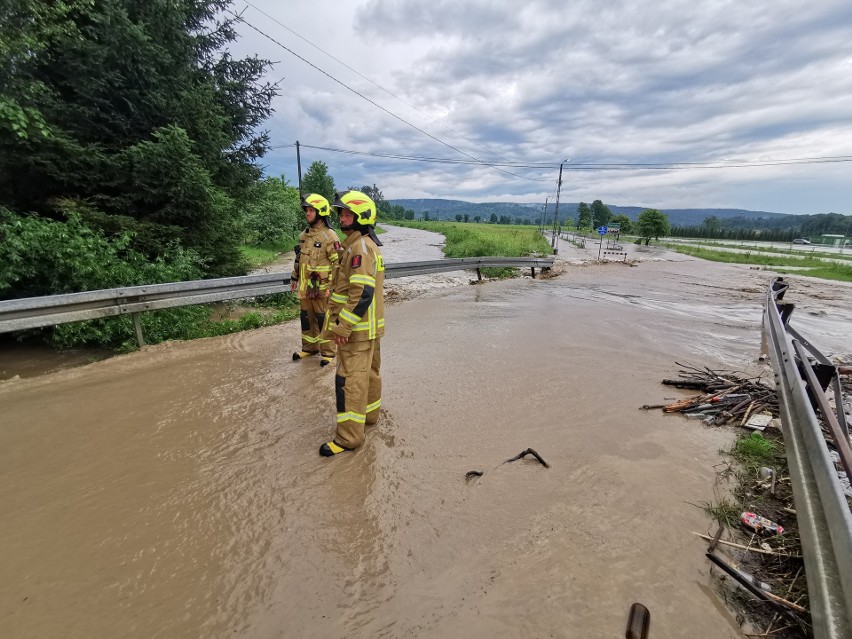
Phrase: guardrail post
(137, 326)
(478, 274)
(533, 272)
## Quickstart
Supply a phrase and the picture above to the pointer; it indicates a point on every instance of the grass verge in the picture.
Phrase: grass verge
(481, 240)
(262, 255)
(810, 266)
(773, 250)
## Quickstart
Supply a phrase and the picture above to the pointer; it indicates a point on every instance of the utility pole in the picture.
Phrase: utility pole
(543, 216)
(299, 164)
(556, 214)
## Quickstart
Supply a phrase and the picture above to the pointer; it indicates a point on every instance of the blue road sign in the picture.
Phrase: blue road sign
(602, 230)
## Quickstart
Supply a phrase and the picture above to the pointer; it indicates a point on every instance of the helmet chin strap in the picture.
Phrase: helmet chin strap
(369, 230)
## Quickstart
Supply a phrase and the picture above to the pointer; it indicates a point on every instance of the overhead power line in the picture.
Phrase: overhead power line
(379, 106)
(375, 84)
(591, 166)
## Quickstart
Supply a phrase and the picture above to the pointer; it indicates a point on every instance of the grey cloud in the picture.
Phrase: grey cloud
(620, 81)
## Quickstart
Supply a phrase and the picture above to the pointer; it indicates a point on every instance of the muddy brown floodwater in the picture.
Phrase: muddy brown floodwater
(177, 491)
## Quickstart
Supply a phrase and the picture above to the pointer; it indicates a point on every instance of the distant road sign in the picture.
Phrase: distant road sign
(602, 230)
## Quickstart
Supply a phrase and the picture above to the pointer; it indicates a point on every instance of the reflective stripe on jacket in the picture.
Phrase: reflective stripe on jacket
(356, 308)
(317, 263)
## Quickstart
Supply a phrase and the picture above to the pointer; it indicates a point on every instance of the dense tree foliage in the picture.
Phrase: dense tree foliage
(317, 179)
(273, 214)
(769, 229)
(128, 119)
(712, 223)
(652, 223)
(40, 254)
(584, 216)
(601, 214)
(734, 234)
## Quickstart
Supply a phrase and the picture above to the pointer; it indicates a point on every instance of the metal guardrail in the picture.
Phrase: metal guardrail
(35, 312)
(825, 522)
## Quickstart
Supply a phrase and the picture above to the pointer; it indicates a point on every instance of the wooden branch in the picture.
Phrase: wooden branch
(748, 548)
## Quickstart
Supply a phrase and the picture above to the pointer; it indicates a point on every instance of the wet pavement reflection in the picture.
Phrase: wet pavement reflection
(177, 491)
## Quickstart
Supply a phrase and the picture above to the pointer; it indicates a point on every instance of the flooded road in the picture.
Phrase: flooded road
(177, 491)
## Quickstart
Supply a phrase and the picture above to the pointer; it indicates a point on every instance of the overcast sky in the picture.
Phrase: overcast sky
(540, 81)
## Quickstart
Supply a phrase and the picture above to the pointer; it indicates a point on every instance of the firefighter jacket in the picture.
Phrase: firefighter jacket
(317, 260)
(356, 308)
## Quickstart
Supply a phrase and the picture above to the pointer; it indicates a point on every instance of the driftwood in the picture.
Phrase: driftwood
(749, 548)
(727, 398)
(528, 451)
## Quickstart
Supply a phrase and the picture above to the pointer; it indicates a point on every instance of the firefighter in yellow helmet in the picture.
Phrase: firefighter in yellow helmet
(356, 323)
(317, 260)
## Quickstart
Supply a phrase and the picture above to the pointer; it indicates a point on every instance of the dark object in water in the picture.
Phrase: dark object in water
(683, 383)
(473, 473)
(528, 451)
(638, 622)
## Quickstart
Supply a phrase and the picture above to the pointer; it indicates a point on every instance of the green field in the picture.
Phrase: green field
(486, 240)
(770, 249)
(810, 266)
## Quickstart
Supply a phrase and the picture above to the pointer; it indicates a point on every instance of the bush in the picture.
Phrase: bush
(39, 256)
(273, 213)
(47, 257)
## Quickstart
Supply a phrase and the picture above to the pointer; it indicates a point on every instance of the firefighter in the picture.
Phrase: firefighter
(356, 323)
(317, 260)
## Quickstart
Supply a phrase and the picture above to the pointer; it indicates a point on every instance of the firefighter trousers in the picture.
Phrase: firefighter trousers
(312, 317)
(358, 390)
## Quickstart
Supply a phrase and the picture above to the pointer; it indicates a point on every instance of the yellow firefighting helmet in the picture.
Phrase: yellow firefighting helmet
(360, 204)
(318, 202)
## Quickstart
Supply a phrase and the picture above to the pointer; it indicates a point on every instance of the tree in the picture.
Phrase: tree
(318, 180)
(476, 218)
(273, 214)
(466, 217)
(373, 192)
(133, 114)
(493, 219)
(601, 213)
(383, 206)
(652, 223)
(584, 215)
(712, 224)
(458, 217)
(625, 225)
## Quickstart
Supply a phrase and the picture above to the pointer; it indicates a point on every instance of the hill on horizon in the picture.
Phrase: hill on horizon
(448, 209)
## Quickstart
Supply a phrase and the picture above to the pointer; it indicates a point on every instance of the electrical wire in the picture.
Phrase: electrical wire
(474, 161)
(379, 106)
(375, 84)
(589, 166)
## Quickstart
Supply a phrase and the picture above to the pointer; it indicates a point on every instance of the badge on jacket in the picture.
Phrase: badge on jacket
(317, 244)
(356, 261)
(337, 246)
